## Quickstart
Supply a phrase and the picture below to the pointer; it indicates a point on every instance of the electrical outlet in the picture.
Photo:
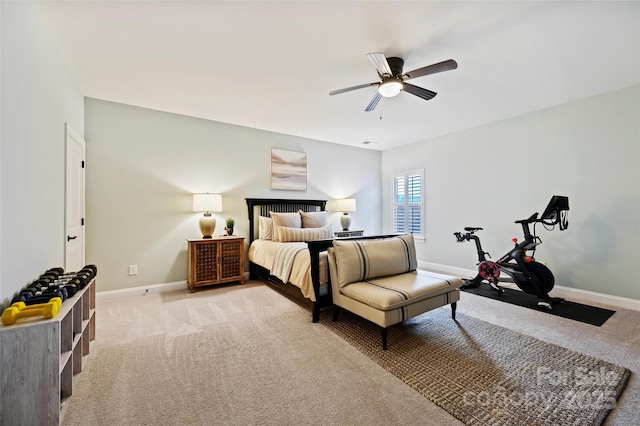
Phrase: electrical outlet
(133, 269)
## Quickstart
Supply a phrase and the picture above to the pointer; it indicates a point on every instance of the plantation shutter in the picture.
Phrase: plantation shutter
(407, 203)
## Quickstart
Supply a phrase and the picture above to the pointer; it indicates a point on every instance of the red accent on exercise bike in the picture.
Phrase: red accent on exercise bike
(489, 270)
(515, 240)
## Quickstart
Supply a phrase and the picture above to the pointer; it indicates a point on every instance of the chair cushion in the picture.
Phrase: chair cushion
(359, 260)
(392, 292)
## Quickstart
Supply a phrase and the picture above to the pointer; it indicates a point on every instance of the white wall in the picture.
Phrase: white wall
(38, 97)
(143, 165)
(492, 175)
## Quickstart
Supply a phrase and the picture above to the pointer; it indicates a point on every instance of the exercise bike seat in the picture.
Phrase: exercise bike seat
(472, 229)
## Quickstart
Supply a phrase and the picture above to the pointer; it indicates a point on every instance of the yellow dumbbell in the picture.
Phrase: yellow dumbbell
(11, 314)
(22, 306)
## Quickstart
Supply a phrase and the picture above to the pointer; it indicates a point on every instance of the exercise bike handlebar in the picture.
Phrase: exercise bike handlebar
(554, 213)
(461, 238)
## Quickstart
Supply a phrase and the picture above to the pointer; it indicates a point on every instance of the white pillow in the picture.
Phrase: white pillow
(290, 235)
(290, 220)
(265, 228)
(314, 219)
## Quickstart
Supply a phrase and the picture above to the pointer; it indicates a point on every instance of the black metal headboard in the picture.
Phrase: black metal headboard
(262, 207)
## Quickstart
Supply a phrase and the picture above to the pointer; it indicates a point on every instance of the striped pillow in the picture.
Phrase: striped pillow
(359, 260)
(290, 235)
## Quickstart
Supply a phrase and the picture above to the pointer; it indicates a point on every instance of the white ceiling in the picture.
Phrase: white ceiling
(271, 65)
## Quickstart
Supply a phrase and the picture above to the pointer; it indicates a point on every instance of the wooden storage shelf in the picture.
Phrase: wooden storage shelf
(215, 261)
(42, 357)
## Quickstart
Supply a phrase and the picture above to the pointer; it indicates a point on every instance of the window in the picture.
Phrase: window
(407, 203)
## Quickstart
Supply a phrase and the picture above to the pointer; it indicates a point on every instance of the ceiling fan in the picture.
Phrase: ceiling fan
(393, 81)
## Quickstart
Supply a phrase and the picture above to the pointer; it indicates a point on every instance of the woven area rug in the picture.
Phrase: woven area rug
(484, 374)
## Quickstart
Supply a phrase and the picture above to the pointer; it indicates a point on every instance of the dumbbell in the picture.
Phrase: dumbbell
(58, 271)
(71, 286)
(53, 291)
(85, 278)
(41, 282)
(43, 288)
(11, 314)
(23, 306)
(48, 276)
(87, 273)
(69, 282)
(91, 269)
(43, 298)
(24, 295)
(65, 277)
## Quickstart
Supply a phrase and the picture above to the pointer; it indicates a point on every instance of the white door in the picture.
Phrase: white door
(74, 202)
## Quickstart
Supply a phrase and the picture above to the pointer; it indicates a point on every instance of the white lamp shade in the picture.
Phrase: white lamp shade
(207, 203)
(390, 88)
(344, 205)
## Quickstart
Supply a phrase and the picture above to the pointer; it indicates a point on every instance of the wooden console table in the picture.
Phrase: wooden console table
(215, 261)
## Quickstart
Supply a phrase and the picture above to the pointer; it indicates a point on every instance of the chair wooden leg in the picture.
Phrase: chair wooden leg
(336, 311)
(383, 331)
(454, 305)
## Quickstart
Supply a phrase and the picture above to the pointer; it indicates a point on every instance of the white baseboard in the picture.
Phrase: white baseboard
(142, 290)
(558, 290)
(445, 269)
(568, 293)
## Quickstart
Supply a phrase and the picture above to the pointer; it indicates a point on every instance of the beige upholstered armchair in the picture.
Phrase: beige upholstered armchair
(378, 280)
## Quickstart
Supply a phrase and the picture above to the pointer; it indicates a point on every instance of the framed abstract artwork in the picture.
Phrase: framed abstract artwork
(288, 170)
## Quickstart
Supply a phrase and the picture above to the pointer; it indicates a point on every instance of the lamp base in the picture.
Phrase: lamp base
(207, 225)
(345, 221)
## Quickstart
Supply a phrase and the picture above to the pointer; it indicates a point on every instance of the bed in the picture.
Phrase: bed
(289, 266)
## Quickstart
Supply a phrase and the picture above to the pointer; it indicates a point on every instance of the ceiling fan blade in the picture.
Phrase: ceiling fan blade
(380, 61)
(447, 65)
(348, 89)
(374, 102)
(419, 91)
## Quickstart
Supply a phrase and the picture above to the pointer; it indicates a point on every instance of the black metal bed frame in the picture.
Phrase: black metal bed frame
(262, 207)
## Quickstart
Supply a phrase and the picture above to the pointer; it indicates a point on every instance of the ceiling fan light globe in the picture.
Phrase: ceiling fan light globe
(390, 88)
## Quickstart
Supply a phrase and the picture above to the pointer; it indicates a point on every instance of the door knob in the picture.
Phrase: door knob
(71, 238)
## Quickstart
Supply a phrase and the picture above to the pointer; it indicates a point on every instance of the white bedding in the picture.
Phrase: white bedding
(290, 262)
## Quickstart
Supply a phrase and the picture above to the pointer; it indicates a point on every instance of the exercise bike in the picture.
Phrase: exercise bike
(530, 276)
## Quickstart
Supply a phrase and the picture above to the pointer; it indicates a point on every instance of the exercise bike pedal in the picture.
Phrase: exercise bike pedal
(543, 305)
(498, 290)
(547, 305)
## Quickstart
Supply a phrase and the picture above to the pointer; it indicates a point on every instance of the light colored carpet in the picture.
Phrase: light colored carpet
(245, 354)
(484, 374)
